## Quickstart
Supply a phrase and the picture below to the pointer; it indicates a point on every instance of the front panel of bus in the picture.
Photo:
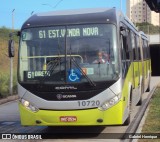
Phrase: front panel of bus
(57, 72)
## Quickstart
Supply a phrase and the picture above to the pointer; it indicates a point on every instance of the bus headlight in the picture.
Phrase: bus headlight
(25, 103)
(106, 105)
(28, 105)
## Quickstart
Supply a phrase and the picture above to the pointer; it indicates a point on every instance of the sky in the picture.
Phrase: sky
(21, 10)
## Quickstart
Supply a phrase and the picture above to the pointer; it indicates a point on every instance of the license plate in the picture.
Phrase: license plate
(68, 118)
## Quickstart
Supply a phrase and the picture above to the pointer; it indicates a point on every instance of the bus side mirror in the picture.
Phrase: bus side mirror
(11, 48)
(123, 31)
(11, 43)
(18, 33)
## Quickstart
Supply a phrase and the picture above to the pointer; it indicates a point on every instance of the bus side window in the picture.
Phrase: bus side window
(133, 45)
(124, 52)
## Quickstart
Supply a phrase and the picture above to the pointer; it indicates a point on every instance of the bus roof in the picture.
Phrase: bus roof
(67, 17)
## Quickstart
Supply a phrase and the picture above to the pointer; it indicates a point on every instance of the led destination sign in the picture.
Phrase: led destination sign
(62, 32)
(72, 32)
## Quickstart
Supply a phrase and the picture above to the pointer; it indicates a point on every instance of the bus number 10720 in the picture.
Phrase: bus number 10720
(93, 103)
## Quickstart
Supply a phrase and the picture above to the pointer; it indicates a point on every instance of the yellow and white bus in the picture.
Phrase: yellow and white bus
(58, 82)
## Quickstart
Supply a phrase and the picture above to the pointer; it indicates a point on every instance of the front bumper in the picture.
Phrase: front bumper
(89, 117)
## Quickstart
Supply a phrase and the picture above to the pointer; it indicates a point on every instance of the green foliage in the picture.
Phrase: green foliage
(152, 123)
(4, 34)
(4, 84)
(148, 28)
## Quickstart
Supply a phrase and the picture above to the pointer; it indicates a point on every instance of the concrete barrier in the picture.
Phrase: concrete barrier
(8, 99)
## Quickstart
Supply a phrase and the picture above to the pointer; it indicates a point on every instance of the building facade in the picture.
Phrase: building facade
(139, 12)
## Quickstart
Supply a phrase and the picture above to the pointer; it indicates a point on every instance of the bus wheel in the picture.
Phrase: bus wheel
(148, 89)
(140, 100)
(128, 120)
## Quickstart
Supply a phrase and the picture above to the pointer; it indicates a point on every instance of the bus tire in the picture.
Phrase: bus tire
(128, 120)
(148, 89)
(140, 100)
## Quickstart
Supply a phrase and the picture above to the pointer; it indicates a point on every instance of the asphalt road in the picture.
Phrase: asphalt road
(10, 122)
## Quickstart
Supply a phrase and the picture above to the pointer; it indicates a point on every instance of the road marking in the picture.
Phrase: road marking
(8, 123)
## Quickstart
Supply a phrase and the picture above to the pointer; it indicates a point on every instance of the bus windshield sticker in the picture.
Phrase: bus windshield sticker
(74, 75)
(72, 32)
(36, 74)
(88, 71)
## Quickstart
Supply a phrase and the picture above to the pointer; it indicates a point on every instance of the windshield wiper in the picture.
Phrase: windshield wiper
(80, 69)
(57, 60)
(53, 64)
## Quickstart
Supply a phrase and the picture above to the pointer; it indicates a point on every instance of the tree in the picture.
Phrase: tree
(148, 28)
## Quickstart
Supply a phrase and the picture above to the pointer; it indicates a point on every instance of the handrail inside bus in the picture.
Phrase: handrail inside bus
(54, 56)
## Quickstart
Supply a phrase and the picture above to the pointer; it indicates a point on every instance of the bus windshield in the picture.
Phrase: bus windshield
(68, 54)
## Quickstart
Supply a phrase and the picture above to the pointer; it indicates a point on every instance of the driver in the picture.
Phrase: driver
(101, 58)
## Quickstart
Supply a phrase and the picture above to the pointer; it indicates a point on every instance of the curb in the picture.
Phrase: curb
(138, 117)
(8, 99)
